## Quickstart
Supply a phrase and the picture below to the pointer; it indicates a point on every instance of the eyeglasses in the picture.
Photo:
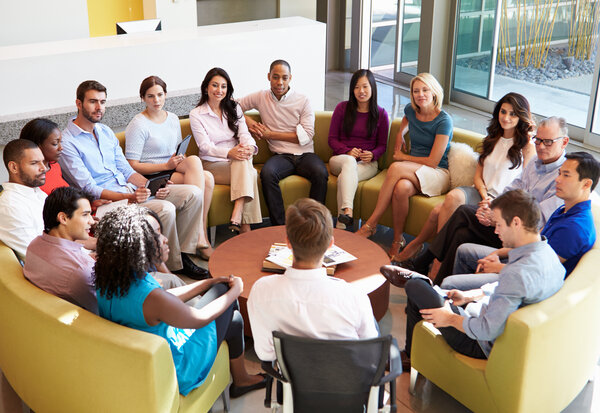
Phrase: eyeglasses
(546, 142)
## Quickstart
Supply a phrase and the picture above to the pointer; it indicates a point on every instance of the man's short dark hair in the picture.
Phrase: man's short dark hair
(280, 62)
(519, 203)
(587, 166)
(64, 199)
(309, 229)
(89, 85)
(14, 150)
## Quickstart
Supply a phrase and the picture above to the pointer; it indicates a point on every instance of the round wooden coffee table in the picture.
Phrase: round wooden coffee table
(244, 254)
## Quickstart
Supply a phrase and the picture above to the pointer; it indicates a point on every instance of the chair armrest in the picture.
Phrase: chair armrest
(395, 364)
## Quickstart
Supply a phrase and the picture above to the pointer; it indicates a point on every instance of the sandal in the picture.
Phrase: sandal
(400, 244)
(366, 230)
(395, 257)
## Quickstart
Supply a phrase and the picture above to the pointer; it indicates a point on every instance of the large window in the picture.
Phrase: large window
(545, 50)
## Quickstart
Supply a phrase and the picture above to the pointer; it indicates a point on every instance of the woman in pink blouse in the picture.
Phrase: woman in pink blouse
(226, 147)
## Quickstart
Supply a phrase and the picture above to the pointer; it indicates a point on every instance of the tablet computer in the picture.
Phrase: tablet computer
(183, 145)
(154, 184)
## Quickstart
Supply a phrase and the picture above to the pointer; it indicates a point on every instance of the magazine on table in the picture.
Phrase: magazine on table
(280, 257)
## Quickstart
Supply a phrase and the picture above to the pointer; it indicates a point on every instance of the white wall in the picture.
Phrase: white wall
(30, 21)
(174, 14)
(304, 8)
(44, 76)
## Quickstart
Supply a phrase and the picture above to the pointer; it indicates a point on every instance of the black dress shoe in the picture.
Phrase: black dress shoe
(346, 219)
(398, 276)
(238, 391)
(192, 270)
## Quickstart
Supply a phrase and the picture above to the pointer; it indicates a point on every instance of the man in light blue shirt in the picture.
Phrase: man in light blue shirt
(92, 160)
(532, 274)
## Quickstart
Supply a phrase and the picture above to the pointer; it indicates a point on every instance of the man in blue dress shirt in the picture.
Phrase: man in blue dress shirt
(92, 160)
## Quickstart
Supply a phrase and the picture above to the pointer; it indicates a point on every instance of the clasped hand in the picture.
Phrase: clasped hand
(489, 264)
(240, 152)
(259, 131)
(360, 154)
(484, 214)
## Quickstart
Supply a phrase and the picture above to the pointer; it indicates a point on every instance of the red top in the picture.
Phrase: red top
(54, 178)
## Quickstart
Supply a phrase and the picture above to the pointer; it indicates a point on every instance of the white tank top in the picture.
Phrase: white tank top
(496, 172)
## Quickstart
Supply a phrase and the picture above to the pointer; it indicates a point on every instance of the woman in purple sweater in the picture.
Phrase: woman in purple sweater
(358, 136)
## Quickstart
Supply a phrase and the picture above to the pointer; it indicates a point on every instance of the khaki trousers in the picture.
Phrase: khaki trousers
(242, 179)
(180, 213)
(349, 173)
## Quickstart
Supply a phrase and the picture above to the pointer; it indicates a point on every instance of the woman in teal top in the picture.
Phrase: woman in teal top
(130, 245)
(425, 169)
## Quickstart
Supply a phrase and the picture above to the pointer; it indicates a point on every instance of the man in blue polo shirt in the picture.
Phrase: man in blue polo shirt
(570, 229)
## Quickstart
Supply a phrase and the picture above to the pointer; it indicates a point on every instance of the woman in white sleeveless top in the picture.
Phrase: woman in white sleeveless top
(506, 149)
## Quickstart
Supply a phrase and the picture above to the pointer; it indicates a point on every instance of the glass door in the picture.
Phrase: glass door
(474, 50)
(394, 52)
(408, 52)
(384, 25)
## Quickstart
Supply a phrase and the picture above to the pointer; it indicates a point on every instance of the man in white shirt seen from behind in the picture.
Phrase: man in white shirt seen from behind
(287, 124)
(304, 301)
(22, 201)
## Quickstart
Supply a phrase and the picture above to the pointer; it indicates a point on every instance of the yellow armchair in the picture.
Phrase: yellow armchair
(545, 356)
(59, 357)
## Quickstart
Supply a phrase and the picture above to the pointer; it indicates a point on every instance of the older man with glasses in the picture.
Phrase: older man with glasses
(476, 224)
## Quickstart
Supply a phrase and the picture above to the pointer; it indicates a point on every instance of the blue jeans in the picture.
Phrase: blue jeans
(307, 165)
(465, 265)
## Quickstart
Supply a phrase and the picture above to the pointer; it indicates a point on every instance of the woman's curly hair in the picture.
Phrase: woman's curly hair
(127, 248)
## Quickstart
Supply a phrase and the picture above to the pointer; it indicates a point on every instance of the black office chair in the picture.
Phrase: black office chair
(333, 375)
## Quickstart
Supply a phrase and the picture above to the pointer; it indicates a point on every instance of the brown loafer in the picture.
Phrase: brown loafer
(398, 276)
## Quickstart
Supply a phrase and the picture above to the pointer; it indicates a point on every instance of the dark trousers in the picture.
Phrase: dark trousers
(463, 226)
(280, 166)
(230, 324)
(421, 295)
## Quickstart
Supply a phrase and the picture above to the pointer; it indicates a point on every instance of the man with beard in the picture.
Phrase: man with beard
(22, 201)
(92, 160)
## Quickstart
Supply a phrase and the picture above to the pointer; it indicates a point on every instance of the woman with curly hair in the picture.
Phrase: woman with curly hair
(505, 151)
(128, 248)
(226, 147)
